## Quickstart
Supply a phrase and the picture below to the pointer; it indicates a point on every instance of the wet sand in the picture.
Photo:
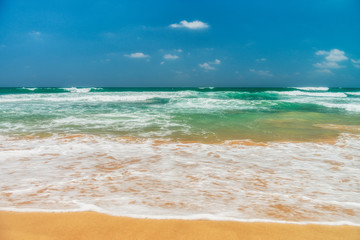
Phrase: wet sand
(90, 225)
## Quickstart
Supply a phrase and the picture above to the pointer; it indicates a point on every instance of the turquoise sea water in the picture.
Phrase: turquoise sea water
(270, 154)
(197, 114)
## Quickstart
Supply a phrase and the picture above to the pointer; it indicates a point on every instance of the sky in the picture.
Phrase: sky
(179, 43)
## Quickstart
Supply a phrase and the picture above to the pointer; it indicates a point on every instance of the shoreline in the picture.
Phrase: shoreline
(194, 217)
(92, 225)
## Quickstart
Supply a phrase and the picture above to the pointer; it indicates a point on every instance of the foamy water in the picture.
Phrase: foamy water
(313, 88)
(237, 180)
(238, 155)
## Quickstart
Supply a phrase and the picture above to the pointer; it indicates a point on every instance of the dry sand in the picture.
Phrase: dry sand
(90, 225)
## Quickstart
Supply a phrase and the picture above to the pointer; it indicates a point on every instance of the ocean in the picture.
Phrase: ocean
(243, 154)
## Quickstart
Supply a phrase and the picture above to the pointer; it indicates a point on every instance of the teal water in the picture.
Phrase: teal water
(195, 114)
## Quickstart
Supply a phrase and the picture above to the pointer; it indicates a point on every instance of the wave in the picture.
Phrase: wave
(216, 90)
(313, 88)
(202, 88)
(344, 106)
(78, 90)
(310, 94)
(86, 98)
(30, 89)
(353, 94)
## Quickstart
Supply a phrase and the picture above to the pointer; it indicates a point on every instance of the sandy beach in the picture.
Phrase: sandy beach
(91, 225)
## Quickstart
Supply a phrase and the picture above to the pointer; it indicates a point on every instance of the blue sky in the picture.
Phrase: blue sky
(180, 43)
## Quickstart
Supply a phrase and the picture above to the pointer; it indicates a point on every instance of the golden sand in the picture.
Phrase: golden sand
(90, 225)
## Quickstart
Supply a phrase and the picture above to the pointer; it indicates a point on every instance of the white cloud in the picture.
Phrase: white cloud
(322, 52)
(208, 65)
(179, 50)
(326, 64)
(162, 62)
(334, 55)
(170, 57)
(137, 55)
(264, 73)
(261, 60)
(356, 63)
(325, 71)
(217, 61)
(332, 58)
(194, 25)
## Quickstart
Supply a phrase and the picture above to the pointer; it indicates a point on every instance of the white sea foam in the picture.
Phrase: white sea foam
(78, 90)
(313, 88)
(30, 89)
(346, 106)
(125, 121)
(281, 182)
(214, 104)
(206, 88)
(188, 217)
(83, 95)
(353, 93)
(64, 97)
(310, 94)
(179, 100)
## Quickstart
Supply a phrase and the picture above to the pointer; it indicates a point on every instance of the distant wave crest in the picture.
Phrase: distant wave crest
(313, 88)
